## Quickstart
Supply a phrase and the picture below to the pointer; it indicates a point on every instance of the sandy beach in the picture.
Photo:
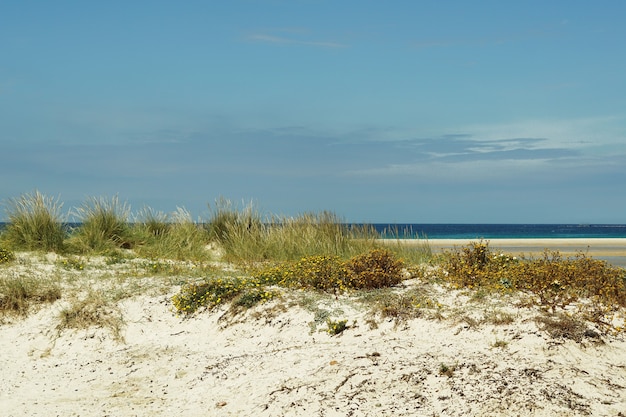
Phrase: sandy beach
(464, 356)
(611, 249)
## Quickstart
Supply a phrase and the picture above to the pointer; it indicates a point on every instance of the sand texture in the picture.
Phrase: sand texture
(464, 356)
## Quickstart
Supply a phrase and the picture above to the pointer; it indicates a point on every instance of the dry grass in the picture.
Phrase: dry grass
(96, 309)
(18, 294)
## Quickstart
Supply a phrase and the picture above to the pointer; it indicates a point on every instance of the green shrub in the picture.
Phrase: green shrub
(35, 223)
(6, 256)
(376, 269)
(554, 280)
(216, 291)
(336, 327)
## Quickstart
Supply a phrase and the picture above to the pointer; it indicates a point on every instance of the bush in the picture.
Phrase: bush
(6, 256)
(375, 269)
(35, 223)
(559, 282)
(475, 266)
(556, 281)
(216, 291)
(323, 273)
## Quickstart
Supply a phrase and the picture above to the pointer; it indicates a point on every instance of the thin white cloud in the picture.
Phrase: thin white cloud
(582, 134)
(535, 150)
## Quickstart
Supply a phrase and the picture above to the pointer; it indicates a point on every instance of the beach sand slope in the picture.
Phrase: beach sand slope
(277, 362)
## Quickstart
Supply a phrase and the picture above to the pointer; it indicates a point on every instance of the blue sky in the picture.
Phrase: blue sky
(396, 111)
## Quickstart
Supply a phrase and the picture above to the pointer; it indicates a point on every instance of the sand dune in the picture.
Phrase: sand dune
(272, 361)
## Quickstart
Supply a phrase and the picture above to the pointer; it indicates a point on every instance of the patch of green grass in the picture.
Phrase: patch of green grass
(246, 236)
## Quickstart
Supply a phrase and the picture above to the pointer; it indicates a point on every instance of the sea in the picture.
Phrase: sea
(500, 231)
(487, 231)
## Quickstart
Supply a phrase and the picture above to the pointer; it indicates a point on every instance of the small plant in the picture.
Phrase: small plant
(336, 327)
(446, 370)
(17, 294)
(562, 326)
(500, 344)
(73, 263)
(35, 223)
(96, 309)
(6, 256)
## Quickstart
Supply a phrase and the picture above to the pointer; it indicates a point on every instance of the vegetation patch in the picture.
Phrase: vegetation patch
(336, 327)
(18, 294)
(563, 326)
(104, 225)
(95, 310)
(554, 281)
(6, 256)
(35, 222)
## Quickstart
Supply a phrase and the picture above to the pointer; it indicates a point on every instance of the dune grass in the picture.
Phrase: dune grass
(246, 236)
(174, 236)
(312, 251)
(35, 222)
(104, 225)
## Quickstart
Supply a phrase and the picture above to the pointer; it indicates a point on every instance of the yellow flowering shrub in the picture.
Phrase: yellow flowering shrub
(377, 268)
(245, 292)
(324, 273)
(554, 280)
(6, 256)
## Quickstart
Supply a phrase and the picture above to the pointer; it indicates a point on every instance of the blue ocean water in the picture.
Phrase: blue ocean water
(488, 231)
(500, 231)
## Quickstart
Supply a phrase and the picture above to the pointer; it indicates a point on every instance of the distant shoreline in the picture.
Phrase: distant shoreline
(612, 250)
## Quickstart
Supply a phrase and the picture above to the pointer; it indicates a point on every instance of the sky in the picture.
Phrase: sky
(380, 111)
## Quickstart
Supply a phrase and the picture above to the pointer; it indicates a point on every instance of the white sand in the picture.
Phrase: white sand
(609, 249)
(274, 365)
